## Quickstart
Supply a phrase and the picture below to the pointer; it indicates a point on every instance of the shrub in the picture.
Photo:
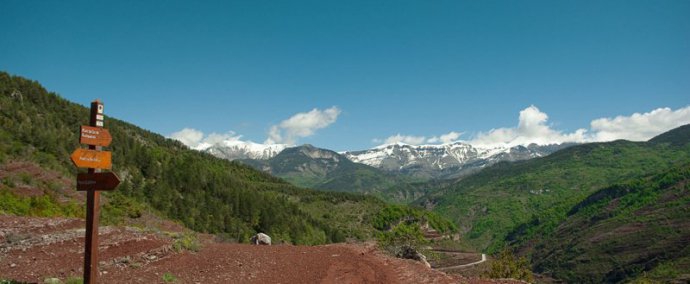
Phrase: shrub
(186, 241)
(403, 235)
(506, 265)
(169, 277)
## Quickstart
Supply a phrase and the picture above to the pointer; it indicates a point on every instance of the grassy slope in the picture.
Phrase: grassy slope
(205, 193)
(489, 205)
(621, 231)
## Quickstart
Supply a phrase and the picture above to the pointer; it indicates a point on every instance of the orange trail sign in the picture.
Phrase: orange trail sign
(96, 136)
(97, 181)
(84, 158)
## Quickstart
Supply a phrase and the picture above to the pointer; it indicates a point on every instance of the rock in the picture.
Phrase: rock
(408, 252)
(261, 239)
(13, 265)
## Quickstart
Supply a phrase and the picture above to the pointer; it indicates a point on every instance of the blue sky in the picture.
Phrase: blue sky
(406, 68)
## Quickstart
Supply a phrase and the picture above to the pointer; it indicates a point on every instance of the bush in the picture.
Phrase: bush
(506, 265)
(186, 241)
(403, 235)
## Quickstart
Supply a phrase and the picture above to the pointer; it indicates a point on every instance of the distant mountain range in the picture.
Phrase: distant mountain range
(446, 160)
(421, 162)
(308, 166)
(237, 150)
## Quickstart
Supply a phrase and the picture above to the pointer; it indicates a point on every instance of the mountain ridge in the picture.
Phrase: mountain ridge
(444, 161)
(324, 169)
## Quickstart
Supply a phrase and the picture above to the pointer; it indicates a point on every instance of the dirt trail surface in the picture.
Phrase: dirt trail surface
(33, 249)
(463, 265)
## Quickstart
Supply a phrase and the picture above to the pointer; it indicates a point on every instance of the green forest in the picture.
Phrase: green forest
(597, 212)
(629, 196)
(205, 193)
(643, 224)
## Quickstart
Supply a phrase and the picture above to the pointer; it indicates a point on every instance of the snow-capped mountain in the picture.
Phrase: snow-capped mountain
(236, 149)
(444, 160)
(423, 161)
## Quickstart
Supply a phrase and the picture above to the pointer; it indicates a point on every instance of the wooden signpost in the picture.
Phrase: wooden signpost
(96, 136)
(93, 181)
(84, 158)
(97, 181)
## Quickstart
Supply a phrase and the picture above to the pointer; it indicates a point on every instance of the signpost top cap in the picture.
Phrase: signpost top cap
(97, 101)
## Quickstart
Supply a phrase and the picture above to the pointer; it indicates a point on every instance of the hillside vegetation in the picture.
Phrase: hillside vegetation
(636, 229)
(308, 166)
(592, 213)
(490, 205)
(205, 193)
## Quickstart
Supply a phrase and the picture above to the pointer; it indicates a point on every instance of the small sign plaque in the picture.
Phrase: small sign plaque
(95, 136)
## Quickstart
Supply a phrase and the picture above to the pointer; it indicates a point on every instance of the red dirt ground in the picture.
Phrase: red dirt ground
(33, 249)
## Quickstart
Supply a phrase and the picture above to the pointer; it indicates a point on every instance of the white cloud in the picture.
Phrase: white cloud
(194, 138)
(449, 137)
(188, 136)
(215, 138)
(532, 128)
(301, 125)
(413, 140)
(639, 126)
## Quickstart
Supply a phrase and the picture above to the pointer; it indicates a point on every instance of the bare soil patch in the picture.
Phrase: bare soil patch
(33, 249)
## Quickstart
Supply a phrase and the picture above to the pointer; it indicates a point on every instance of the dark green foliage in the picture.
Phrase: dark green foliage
(531, 198)
(392, 215)
(400, 228)
(37, 206)
(622, 232)
(308, 166)
(401, 236)
(677, 137)
(205, 193)
(119, 207)
(507, 265)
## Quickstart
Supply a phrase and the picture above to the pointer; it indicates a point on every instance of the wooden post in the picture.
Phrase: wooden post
(93, 181)
(92, 208)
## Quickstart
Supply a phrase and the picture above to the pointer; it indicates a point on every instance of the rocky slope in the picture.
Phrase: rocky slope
(447, 160)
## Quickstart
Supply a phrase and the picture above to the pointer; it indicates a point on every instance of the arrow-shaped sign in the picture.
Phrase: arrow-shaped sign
(97, 181)
(84, 158)
(96, 136)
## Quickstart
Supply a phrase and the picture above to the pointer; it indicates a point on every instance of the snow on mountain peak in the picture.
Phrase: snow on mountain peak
(234, 149)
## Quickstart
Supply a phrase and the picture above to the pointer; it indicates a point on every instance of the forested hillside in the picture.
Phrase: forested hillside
(205, 193)
(495, 202)
(636, 229)
(312, 167)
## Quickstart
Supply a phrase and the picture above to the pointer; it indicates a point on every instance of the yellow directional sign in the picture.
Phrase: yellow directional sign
(84, 158)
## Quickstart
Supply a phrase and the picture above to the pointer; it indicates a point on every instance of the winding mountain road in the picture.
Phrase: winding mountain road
(464, 265)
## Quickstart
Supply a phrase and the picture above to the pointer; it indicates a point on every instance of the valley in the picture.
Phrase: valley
(591, 212)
